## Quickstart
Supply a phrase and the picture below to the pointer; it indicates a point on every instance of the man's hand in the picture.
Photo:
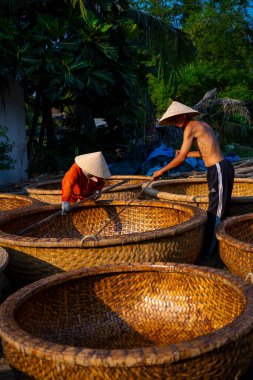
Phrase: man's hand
(157, 174)
(65, 208)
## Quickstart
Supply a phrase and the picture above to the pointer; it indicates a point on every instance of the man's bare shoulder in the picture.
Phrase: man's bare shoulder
(197, 126)
(194, 123)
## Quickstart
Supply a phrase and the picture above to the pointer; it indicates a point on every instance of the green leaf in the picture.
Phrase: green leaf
(83, 10)
(78, 66)
(103, 75)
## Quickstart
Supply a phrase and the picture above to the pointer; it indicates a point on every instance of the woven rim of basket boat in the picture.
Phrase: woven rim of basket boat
(165, 195)
(198, 218)
(15, 336)
(38, 188)
(3, 258)
(19, 197)
(22, 198)
(222, 234)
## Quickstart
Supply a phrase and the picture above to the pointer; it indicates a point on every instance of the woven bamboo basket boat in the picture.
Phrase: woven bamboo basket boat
(10, 202)
(195, 191)
(236, 245)
(146, 231)
(50, 191)
(131, 321)
(3, 263)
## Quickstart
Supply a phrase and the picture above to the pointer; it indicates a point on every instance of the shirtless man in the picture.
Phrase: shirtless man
(220, 172)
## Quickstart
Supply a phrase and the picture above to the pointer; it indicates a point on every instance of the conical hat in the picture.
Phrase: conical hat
(94, 164)
(176, 109)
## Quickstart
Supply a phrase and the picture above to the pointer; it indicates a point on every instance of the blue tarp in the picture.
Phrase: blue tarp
(157, 159)
(162, 150)
(163, 155)
(124, 167)
(233, 158)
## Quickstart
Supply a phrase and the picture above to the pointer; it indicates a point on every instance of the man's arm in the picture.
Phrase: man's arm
(180, 157)
(68, 183)
(194, 153)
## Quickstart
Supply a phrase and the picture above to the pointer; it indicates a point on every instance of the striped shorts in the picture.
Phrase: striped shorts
(220, 179)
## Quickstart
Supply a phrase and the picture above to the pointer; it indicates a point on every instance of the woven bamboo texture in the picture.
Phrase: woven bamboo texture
(10, 202)
(131, 321)
(3, 264)
(50, 191)
(146, 231)
(195, 191)
(235, 236)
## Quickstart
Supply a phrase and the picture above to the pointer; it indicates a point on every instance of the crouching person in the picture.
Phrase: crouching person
(86, 177)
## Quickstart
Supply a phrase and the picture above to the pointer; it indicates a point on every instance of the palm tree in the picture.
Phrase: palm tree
(229, 117)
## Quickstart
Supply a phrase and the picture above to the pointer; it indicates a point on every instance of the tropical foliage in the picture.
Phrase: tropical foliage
(88, 58)
(222, 34)
(123, 60)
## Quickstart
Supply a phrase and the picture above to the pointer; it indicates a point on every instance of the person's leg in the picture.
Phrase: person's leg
(208, 243)
(220, 178)
(228, 175)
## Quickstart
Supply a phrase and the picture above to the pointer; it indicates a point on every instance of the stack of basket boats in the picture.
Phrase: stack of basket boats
(111, 289)
(244, 168)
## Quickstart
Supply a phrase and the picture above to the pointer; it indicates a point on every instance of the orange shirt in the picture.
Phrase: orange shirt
(76, 185)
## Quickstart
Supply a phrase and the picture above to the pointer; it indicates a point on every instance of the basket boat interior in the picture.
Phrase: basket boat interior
(241, 229)
(137, 218)
(129, 310)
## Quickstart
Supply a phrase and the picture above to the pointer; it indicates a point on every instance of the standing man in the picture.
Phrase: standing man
(220, 172)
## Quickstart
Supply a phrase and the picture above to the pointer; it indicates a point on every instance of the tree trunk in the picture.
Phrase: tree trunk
(34, 126)
(48, 125)
(88, 126)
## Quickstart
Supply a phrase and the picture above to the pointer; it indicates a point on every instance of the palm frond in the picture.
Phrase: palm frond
(171, 46)
(233, 130)
(233, 107)
(212, 104)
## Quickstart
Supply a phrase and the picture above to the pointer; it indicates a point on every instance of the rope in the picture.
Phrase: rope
(116, 215)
